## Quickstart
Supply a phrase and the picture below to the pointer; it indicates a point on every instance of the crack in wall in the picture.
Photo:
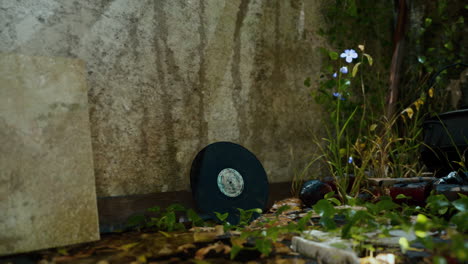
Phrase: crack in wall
(171, 164)
(235, 68)
(200, 87)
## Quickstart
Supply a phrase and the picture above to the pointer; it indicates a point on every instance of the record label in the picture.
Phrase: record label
(230, 182)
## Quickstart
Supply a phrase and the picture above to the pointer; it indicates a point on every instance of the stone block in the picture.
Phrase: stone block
(451, 191)
(324, 247)
(47, 185)
(417, 191)
(387, 182)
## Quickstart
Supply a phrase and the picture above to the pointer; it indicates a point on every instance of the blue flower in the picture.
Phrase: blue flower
(335, 75)
(338, 95)
(344, 69)
(350, 160)
(349, 54)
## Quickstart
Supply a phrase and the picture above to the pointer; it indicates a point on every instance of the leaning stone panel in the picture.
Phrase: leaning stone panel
(47, 185)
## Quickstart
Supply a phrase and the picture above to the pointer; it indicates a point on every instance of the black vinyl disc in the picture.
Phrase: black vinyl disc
(226, 176)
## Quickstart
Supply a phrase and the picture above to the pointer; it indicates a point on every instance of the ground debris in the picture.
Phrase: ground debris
(217, 247)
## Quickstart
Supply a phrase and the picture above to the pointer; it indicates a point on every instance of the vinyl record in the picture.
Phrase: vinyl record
(226, 176)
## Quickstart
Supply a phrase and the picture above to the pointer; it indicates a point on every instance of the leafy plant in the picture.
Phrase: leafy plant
(347, 113)
(436, 41)
(247, 215)
(327, 213)
(359, 141)
(158, 220)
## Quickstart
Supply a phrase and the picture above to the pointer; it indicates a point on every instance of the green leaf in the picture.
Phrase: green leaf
(256, 210)
(402, 196)
(136, 220)
(194, 218)
(449, 46)
(422, 225)
(333, 55)
(427, 22)
(353, 217)
(282, 209)
(246, 215)
(329, 195)
(272, 233)
(265, 246)
(437, 204)
(328, 223)
(386, 204)
(175, 207)
(324, 208)
(355, 69)
(369, 247)
(422, 219)
(222, 217)
(369, 58)
(404, 244)
(460, 220)
(235, 250)
(420, 233)
(461, 204)
(335, 201)
(302, 223)
(352, 201)
(168, 222)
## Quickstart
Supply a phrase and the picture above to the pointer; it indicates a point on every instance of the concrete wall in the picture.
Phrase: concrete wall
(168, 77)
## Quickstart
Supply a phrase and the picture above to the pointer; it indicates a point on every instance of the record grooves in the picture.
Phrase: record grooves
(226, 176)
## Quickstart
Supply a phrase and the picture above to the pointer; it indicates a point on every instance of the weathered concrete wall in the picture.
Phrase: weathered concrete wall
(168, 77)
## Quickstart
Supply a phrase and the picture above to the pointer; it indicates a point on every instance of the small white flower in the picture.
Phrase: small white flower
(344, 69)
(335, 75)
(349, 55)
